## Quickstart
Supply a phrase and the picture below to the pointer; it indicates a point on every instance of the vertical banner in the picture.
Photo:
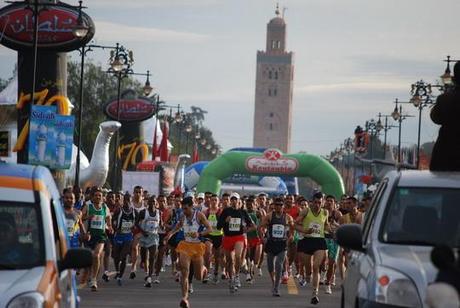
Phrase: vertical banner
(64, 141)
(41, 135)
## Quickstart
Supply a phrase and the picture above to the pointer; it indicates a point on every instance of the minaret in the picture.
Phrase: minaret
(274, 85)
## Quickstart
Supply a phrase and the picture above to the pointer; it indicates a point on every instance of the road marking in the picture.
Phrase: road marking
(292, 288)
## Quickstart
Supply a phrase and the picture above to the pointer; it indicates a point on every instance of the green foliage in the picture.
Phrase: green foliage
(99, 87)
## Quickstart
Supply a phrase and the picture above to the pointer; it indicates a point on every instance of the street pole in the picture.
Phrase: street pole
(117, 138)
(418, 135)
(399, 140)
(80, 116)
(385, 139)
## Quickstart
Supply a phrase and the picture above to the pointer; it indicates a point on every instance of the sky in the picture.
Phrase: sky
(352, 59)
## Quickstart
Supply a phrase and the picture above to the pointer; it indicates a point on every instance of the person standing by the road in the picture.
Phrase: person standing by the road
(191, 249)
(312, 223)
(149, 222)
(231, 221)
(280, 231)
(98, 216)
(446, 150)
(123, 222)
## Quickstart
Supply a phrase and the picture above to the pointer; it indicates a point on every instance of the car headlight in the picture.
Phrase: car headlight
(395, 288)
(27, 300)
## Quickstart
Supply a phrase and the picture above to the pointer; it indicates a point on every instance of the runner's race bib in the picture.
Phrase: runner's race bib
(235, 224)
(126, 226)
(278, 231)
(70, 224)
(97, 222)
(190, 232)
(316, 229)
(151, 226)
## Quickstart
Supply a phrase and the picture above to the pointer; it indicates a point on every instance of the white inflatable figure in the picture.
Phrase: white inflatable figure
(94, 173)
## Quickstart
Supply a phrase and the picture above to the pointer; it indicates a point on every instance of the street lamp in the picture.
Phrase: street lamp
(421, 98)
(373, 128)
(385, 127)
(446, 78)
(121, 61)
(398, 116)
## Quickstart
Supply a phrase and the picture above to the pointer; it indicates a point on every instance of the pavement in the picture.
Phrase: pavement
(167, 294)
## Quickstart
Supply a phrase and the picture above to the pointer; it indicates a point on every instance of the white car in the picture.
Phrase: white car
(35, 261)
(389, 263)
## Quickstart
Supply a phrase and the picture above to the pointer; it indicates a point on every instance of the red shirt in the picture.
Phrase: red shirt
(294, 211)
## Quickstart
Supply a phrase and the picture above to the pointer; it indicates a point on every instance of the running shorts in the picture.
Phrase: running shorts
(310, 245)
(193, 250)
(96, 239)
(216, 240)
(332, 249)
(254, 242)
(228, 242)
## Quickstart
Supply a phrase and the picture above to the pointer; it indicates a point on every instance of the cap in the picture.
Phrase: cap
(262, 194)
(235, 195)
(200, 195)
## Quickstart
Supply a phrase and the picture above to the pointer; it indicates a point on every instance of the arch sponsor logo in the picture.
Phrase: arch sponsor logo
(272, 161)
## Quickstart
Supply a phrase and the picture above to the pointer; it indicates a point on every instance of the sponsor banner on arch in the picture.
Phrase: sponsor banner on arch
(272, 161)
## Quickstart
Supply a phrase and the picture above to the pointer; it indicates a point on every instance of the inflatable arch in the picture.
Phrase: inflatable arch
(272, 162)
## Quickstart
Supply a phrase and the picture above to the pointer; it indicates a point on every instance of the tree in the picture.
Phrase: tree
(99, 88)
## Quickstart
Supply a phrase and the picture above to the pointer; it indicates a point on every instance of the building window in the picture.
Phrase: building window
(273, 44)
(275, 92)
(276, 75)
(270, 75)
(269, 92)
(271, 126)
(278, 44)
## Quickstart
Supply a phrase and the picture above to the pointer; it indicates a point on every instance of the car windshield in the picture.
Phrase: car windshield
(423, 216)
(21, 244)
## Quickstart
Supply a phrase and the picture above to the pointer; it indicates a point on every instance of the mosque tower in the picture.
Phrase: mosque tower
(274, 86)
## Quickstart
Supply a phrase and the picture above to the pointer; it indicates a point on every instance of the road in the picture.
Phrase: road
(167, 294)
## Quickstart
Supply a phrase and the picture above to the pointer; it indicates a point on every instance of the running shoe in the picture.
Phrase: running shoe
(105, 276)
(215, 278)
(119, 281)
(248, 277)
(190, 288)
(259, 271)
(177, 276)
(223, 276)
(132, 275)
(231, 285)
(276, 292)
(322, 279)
(93, 285)
(184, 304)
(237, 281)
(148, 282)
(156, 280)
(302, 282)
(285, 278)
(314, 300)
(328, 289)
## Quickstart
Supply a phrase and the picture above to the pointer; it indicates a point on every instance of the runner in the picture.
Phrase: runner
(254, 241)
(215, 237)
(293, 210)
(138, 205)
(191, 249)
(123, 222)
(162, 248)
(98, 216)
(312, 223)
(231, 221)
(174, 240)
(331, 243)
(280, 232)
(149, 222)
(75, 227)
(112, 205)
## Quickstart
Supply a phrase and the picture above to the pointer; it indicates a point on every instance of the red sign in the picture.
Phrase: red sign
(272, 162)
(131, 110)
(55, 27)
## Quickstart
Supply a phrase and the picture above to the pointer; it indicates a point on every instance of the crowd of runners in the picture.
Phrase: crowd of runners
(210, 238)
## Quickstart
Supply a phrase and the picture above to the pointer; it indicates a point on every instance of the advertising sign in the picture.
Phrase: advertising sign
(64, 141)
(55, 27)
(272, 161)
(131, 110)
(42, 143)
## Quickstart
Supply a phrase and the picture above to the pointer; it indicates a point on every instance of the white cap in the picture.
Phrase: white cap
(200, 195)
(235, 195)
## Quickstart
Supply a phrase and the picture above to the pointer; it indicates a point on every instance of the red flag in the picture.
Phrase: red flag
(195, 157)
(164, 153)
(154, 145)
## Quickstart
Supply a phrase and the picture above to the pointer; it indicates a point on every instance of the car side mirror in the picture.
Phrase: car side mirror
(76, 258)
(350, 236)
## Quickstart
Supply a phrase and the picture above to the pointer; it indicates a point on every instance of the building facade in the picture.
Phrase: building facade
(274, 87)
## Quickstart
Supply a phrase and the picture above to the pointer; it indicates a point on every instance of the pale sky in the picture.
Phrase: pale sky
(352, 59)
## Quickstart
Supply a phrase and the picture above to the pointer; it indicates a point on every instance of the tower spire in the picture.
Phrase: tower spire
(277, 11)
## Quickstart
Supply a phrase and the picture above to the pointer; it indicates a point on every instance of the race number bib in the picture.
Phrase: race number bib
(151, 226)
(70, 225)
(213, 223)
(278, 231)
(235, 224)
(316, 229)
(97, 222)
(190, 233)
(126, 226)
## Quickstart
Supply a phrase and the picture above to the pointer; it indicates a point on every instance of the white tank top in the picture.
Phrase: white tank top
(191, 227)
(151, 224)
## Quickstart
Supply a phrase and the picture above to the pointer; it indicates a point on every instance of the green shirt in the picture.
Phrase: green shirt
(316, 223)
(96, 224)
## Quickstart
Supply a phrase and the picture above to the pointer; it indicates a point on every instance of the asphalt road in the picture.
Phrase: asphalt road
(167, 294)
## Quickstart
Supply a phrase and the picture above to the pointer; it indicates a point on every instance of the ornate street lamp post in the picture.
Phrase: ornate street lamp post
(398, 116)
